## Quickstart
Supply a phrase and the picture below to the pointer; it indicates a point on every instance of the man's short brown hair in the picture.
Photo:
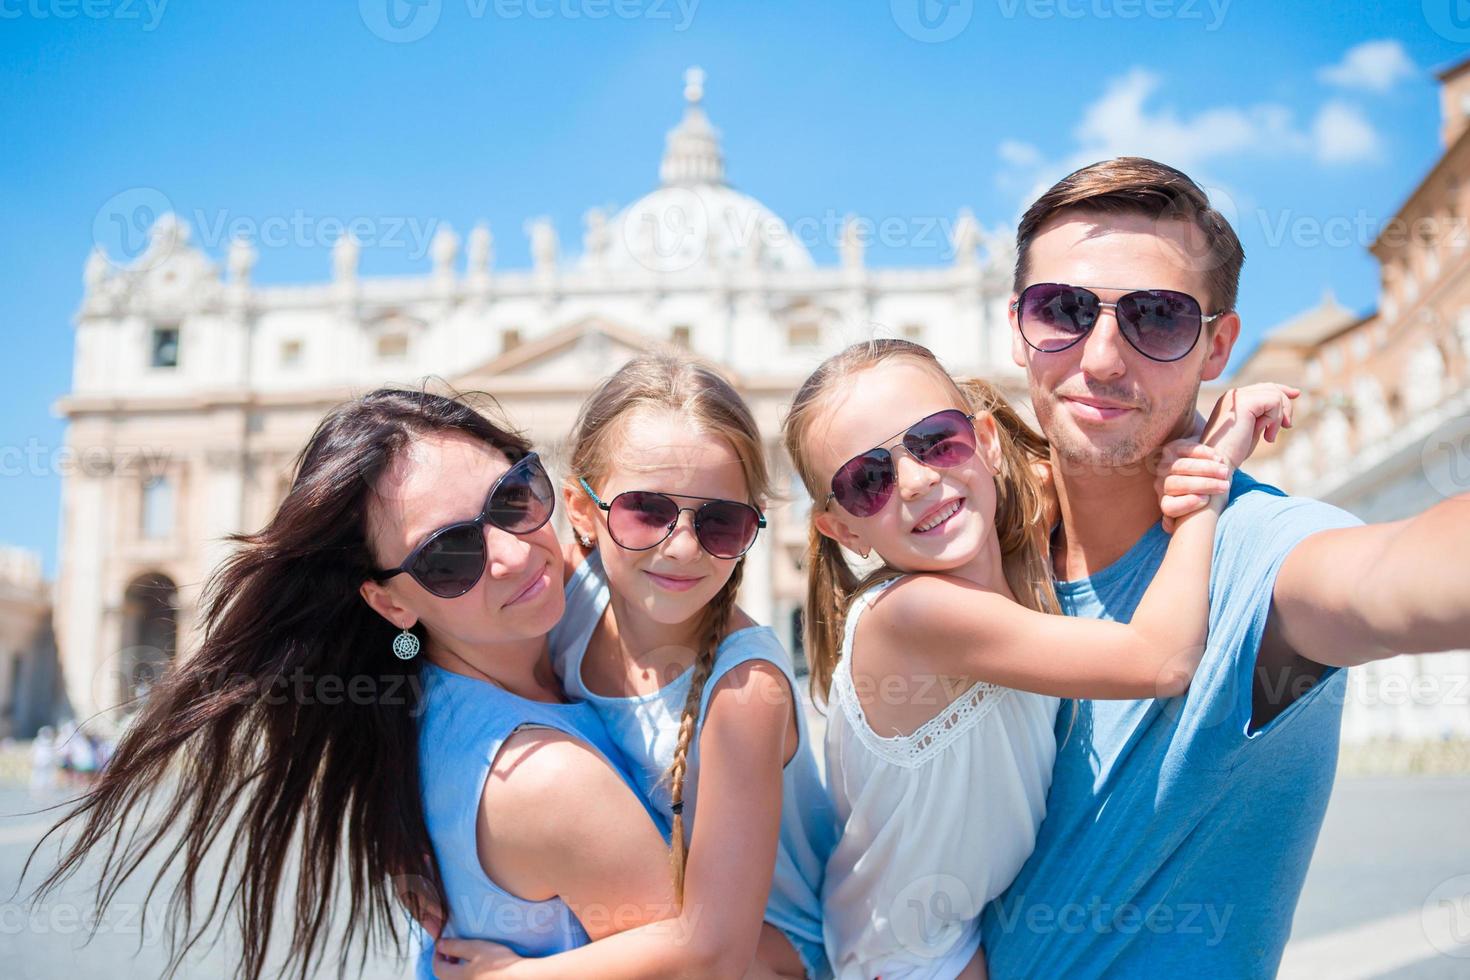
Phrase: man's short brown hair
(1137, 185)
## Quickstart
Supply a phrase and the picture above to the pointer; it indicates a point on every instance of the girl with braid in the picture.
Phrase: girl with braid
(666, 484)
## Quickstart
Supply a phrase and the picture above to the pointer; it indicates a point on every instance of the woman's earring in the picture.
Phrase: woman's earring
(585, 539)
(406, 645)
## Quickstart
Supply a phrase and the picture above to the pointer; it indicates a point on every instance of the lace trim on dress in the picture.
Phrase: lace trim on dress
(929, 739)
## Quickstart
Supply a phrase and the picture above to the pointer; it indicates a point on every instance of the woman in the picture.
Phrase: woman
(409, 578)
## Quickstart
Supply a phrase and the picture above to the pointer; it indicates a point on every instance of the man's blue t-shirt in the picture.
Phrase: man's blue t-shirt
(1176, 840)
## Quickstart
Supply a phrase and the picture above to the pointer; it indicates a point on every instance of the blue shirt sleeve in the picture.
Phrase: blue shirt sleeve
(1257, 531)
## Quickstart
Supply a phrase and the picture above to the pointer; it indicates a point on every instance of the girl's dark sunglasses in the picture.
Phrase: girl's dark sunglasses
(451, 560)
(863, 484)
(640, 519)
(1161, 324)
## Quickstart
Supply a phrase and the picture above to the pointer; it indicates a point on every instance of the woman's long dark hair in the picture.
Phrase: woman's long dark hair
(241, 747)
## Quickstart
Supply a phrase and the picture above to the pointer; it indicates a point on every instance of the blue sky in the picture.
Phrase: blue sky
(1310, 121)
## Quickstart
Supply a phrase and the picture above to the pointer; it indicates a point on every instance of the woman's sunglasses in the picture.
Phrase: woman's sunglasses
(450, 561)
(864, 483)
(640, 519)
(1161, 324)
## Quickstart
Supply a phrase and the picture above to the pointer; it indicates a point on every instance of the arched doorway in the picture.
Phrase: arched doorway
(150, 634)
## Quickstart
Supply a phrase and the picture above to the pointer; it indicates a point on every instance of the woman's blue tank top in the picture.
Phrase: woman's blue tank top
(464, 723)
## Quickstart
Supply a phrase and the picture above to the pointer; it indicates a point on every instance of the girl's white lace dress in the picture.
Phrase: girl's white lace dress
(935, 824)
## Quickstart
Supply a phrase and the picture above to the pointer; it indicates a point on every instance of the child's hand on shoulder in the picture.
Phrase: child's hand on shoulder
(1190, 471)
(1243, 415)
(1189, 474)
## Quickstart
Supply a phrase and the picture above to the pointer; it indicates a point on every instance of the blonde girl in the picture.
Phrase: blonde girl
(947, 662)
(665, 494)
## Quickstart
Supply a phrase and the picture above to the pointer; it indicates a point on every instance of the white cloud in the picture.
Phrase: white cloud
(1342, 134)
(1373, 66)
(1019, 154)
(1126, 120)
(1121, 123)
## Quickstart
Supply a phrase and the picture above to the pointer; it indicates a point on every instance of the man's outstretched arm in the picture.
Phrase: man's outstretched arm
(1349, 596)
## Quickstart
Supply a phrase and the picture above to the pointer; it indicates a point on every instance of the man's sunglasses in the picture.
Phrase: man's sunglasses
(863, 484)
(1161, 324)
(640, 519)
(451, 560)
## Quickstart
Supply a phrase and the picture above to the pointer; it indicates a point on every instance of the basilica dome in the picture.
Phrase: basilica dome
(695, 219)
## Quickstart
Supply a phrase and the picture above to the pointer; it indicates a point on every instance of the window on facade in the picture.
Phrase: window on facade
(392, 347)
(164, 346)
(679, 336)
(1431, 260)
(290, 353)
(1390, 306)
(158, 508)
(803, 335)
(1360, 345)
(510, 339)
(1314, 372)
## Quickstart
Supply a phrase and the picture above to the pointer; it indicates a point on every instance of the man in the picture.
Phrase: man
(1179, 831)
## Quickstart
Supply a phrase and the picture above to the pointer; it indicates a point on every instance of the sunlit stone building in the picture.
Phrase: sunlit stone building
(1384, 429)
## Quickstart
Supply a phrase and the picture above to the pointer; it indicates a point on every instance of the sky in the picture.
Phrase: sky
(1309, 123)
